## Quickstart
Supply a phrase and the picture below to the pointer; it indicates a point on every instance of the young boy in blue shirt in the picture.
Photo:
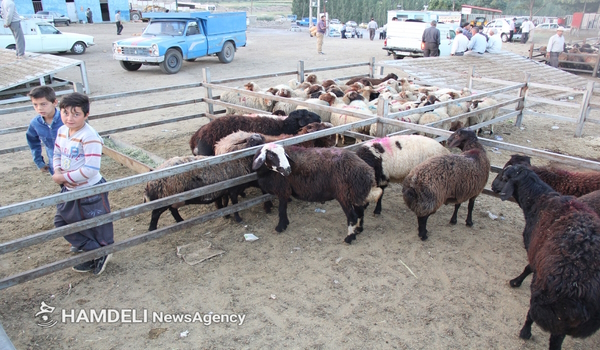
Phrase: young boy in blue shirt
(43, 128)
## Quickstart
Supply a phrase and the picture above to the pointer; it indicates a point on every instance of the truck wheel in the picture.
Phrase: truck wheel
(11, 47)
(504, 38)
(227, 53)
(135, 16)
(78, 48)
(132, 67)
(172, 62)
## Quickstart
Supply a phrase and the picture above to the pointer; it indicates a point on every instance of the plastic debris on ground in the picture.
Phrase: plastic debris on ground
(273, 296)
(554, 127)
(250, 237)
(492, 216)
(495, 150)
(499, 138)
(184, 334)
(319, 210)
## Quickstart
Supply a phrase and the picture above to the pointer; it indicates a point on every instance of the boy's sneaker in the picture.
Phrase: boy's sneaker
(75, 250)
(100, 264)
(85, 267)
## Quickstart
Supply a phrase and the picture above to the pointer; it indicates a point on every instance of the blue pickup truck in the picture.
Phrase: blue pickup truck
(171, 38)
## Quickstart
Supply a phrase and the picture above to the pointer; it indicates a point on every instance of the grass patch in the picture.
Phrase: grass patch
(136, 154)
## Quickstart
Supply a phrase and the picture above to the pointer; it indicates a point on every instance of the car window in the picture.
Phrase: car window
(46, 29)
(192, 29)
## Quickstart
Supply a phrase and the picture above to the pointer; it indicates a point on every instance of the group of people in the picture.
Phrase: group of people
(469, 40)
(74, 151)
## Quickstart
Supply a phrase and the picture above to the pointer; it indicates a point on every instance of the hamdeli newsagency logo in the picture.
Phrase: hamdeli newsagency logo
(47, 317)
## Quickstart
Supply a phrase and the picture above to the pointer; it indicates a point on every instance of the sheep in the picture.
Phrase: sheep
(168, 186)
(285, 107)
(260, 103)
(373, 81)
(562, 239)
(436, 115)
(241, 139)
(445, 179)
(357, 104)
(317, 175)
(483, 116)
(203, 141)
(573, 183)
(327, 99)
(394, 157)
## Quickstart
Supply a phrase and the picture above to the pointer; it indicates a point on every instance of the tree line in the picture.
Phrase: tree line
(363, 10)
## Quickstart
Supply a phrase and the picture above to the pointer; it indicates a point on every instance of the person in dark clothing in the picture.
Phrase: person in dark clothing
(431, 38)
(343, 32)
(89, 16)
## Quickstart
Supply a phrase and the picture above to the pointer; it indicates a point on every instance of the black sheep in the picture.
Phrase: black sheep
(203, 141)
(317, 175)
(562, 239)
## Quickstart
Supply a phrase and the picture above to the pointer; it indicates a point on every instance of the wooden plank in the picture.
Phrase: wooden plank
(535, 85)
(131, 163)
(584, 110)
(551, 102)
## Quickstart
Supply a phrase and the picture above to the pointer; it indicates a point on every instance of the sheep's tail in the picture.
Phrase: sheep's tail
(374, 195)
(410, 195)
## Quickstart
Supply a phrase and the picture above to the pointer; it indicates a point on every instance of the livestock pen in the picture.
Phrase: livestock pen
(520, 98)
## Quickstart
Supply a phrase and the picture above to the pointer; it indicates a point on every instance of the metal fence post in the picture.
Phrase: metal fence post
(595, 73)
(470, 78)
(521, 104)
(585, 108)
(372, 68)
(209, 96)
(300, 72)
(383, 109)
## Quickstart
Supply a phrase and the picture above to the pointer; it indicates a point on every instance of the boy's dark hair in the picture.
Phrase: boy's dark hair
(43, 91)
(76, 100)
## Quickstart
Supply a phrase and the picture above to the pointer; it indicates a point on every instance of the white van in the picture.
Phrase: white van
(403, 38)
(502, 28)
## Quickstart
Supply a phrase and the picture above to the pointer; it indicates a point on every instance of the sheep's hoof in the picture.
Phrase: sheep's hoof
(515, 283)
(350, 238)
(525, 333)
(280, 228)
(359, 229)
(423, 236)
(453, 221)
(469, 223)
(238, 218)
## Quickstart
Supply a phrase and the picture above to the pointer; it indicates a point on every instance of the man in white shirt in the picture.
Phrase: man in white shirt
(12, 20)
(460, 43)
(372, 26)
(556, 45)
(494, 43)
(511, 23)
(526, 28)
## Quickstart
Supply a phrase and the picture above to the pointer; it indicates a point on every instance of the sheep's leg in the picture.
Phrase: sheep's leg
(360, 213)
(470, 212)
(352, 221)
(234, 201)
(221, 203)
(556, 341)
(526, 330)
(155, 216)
(453, 219)
(423, 226)
(378, 208)
(175, 214)
(516, 282)
(283, 218)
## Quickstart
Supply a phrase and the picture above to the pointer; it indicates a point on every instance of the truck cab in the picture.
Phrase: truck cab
(171, 38)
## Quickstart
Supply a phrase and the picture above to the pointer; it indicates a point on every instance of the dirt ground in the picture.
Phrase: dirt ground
(303, 288)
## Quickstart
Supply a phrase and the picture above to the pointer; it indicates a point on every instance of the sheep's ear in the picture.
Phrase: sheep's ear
(507, 190)
(259, 160)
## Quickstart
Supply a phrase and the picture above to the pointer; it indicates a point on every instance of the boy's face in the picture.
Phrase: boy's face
(44, 107)
(73, 118)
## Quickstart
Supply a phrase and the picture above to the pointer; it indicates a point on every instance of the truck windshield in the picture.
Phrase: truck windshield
(173, 28)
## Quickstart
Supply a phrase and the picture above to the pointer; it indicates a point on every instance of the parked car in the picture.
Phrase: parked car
(500, 26)
(351, 24)
(52, 17)
(305, 21)
(43, 37)
(334, 33)
(292, 18)
(335, 21)
(295, 28)
(547, 26)
(171, 38)
(353, 32)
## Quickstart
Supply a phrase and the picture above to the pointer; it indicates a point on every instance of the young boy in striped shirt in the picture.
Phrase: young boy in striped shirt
(77, 155)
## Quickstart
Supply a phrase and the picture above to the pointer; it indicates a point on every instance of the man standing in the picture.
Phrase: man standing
(525, 29)
(460, 43)
(372, 28)
(431, 38)
(321, 27)
(511, 23)
(467, 31)
(343, 31)
(88, 15)
(494, 44)
(477, 43)
(556, 45)
(118, 20)
(12, 20)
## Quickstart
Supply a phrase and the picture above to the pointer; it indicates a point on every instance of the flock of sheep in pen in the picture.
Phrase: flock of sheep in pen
(561, 207)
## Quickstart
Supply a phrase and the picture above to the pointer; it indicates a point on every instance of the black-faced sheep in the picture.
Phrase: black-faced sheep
(573, 183)
(243, 139)
(317, 175)
(562, 239)
(373, 81)
(448, 179)
(203, 141)
(394, 157)
(168, 186)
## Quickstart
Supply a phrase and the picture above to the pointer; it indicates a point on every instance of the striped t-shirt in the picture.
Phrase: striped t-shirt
(78, 156)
